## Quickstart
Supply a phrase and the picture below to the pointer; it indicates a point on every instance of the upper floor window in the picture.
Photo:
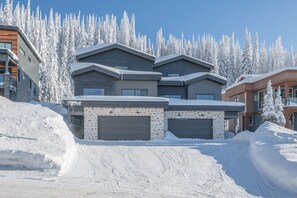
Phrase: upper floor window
(121, 67)
(261, 95)
(172, 96)
(236, 98)
(19, 75)
(30, 84)
(205, 97)
(173, 75)
(93, 91)
(2, 70)
(5, 45)
(134, 92)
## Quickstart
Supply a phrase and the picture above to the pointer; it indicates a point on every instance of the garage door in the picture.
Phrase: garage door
(124, 127)
(191, 128)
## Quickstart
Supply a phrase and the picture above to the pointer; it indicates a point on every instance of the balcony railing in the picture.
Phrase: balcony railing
(12, 82)
(291, 102)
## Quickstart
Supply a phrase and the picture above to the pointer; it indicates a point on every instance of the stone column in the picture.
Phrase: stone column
(6, 82)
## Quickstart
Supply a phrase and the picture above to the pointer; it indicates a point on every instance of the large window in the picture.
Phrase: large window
(5, 45)
(93, 91)
(134, 92)
(204, 96)
(261, 99)
(172, 96)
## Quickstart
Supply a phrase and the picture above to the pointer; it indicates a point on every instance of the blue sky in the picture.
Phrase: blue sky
(269, 18)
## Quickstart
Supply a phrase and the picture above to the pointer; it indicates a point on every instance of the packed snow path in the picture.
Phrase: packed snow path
(148, 169)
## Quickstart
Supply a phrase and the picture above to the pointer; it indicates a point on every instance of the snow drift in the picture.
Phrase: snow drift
(274, 151)
(34, 137)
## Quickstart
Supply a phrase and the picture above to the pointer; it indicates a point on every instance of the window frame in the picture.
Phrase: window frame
(172, 75)
(261, 91)
(251, 121)
(169, 96)
(122, 67)
(135, 91)
(85, 90)
(205, 95)
(4, 44)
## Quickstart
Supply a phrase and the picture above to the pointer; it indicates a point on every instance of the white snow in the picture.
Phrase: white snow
(274, 150)
(171, 167)
(117, 98)
(243, 135)
(180, 102)
(34, 137)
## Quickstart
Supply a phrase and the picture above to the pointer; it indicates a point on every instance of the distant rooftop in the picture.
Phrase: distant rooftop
(255, 78)
(23, 35)
(88, 51)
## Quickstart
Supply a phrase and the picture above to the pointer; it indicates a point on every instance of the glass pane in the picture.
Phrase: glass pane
(205, 97)
(173, 75)
(128, 92)
(8, 46)
(93, 91)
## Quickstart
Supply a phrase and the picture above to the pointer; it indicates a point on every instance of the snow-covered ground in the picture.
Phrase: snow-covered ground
(163, 168)
(34, 137)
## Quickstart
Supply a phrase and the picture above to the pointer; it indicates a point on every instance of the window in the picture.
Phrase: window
(5, 45)
(261, 99)
(173, 75)
(19, 75)
(121, 67)
(172, 96)
(22, 52)
(204, 96)
(282, 92)
(236, 98)
(2, 70)
(93, 92)
(134, 92)
(251, 121)
(30, 84)
(29, 59)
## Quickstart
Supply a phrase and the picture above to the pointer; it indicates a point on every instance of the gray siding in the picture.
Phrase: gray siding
(24, 93)
(30, 68)
(93, 79)
(151, 86)
(116, 57)
(205, 87)
(111, 86)
(170, 90)
(257, 121)
(181, 67)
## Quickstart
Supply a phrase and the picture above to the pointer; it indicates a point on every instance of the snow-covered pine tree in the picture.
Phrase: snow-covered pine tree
(246, 66)
(124, 36)
(268, 112)
(279, 110)
(7, 13)
(255, 63)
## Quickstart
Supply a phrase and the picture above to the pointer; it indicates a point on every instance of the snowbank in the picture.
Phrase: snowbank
(274, 152)
(170, 136)
(244, 135)
(34, 137)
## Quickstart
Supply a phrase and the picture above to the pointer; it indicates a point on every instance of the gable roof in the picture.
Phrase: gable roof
(174, 57)
(89, 51)
(80, 68)
(255, 78)
(24, 37)
(192, 78)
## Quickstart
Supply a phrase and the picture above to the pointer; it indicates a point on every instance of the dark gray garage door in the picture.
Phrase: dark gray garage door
(124, 127)
(191, 128)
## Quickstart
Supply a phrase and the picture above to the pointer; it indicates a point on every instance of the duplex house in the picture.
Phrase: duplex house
(19, 65)
(250, 89)
(121, 93)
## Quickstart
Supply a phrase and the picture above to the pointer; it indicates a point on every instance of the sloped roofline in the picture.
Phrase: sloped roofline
(173, 57)
(192, 78)
(80, 68)
(23, 35)
(89, 51)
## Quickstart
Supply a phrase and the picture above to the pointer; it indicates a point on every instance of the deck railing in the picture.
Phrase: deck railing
(291, 102)
(12, 82)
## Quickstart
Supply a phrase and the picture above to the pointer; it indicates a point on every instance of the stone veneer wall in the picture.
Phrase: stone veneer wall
(217, 116)
(91, 119)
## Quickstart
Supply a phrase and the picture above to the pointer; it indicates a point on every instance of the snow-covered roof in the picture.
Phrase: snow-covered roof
(246, 76)
(80, 68)
(23, 35)
(190, 78)
(255, 78)
(206, 105)
(116, 101)
(88, 51)
(173, 57)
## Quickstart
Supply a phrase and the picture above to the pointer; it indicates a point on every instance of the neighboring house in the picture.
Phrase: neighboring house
(250, 89)
(19, 65)
(123, 94)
